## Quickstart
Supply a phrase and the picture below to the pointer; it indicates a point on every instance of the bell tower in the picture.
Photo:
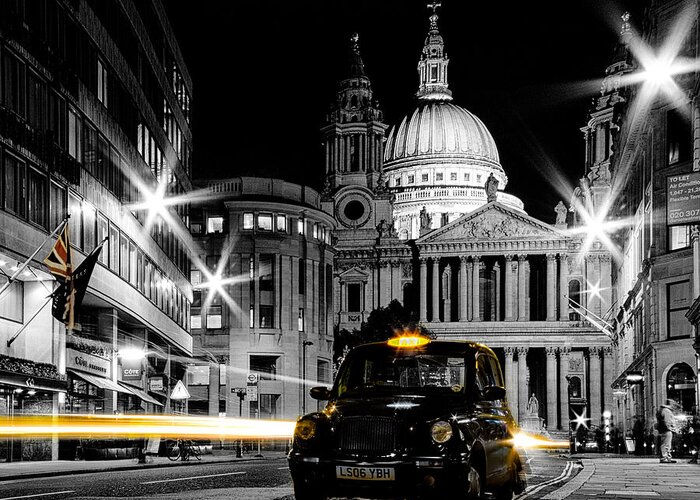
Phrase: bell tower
(353, 135)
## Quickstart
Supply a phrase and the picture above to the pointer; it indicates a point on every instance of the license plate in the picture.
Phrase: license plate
(365, 473)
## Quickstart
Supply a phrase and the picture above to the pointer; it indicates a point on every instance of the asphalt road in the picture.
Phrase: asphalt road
(256, 480)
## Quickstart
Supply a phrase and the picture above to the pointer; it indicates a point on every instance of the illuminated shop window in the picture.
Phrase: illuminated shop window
(247, 221)
(265, 222)
(282, 223)
(215, 224)
(678, 237)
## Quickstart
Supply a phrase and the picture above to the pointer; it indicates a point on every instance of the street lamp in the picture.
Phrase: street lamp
(637, 378)
(303, 374)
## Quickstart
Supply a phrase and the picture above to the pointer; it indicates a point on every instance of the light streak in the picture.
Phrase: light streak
(580, 420)
(525, 440)
(77, 426)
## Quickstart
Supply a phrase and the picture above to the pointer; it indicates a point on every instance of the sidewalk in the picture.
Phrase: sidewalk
(630, 477)
(27, 470)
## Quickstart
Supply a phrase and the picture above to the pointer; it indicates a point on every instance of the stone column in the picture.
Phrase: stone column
(423, 290)
(563, 287)
(446, 295)
(564, 388)
(496, 312)
(396, 290)
(552, 421)
(470, 290)
(385, 283)
(436, 289)
(522, 289)
(511, 267)
(476, 298)
(463, 311)
(608, 377)
(551, 287)
(594, 396)
(511, 392)
(523, 377)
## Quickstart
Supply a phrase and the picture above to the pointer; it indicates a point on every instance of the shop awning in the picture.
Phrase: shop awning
(141, 393)
(102, 383)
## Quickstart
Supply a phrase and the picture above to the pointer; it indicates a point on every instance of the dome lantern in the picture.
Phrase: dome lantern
(432, 67)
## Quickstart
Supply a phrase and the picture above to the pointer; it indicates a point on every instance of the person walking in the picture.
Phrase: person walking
(665, 424)
(695, 437)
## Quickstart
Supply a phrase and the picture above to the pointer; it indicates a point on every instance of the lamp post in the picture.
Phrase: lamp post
(304, 344)
(637, 378)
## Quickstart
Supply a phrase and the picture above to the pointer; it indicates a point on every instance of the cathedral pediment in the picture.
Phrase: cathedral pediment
(354, 274)
(493, 221)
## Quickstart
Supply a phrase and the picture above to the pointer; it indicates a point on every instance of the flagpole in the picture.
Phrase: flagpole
(31, 257)
(24, 326)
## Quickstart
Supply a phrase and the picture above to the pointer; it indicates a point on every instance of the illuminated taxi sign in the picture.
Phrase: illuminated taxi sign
(408, 341)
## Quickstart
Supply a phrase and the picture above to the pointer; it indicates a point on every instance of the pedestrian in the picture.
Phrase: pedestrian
(665, 424)
(695, 437)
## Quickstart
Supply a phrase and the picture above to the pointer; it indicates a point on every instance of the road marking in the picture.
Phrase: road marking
(632, 493)
(39, 495)
(186, 478)
(575, 483)
(531, 490)
(283, 468)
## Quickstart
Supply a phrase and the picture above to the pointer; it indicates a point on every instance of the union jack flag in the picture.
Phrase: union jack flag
(59, 260)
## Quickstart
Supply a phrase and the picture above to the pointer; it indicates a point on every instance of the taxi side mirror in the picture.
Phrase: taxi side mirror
(493, 393)
(320, 393)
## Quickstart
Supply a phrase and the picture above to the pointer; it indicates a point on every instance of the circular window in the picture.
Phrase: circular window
(354, 210)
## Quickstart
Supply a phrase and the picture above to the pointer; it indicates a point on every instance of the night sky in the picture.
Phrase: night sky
(265, 73)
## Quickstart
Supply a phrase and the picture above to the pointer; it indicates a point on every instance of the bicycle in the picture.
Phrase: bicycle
(184, 449)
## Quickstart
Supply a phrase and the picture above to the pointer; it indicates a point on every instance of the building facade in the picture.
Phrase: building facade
(639, 137)
(274, 317)
(94, 115)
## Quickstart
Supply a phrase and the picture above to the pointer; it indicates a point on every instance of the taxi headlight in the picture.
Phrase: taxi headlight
(305, 429)
(441, 431)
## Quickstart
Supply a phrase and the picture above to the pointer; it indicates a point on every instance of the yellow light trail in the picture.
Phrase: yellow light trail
(77, 426)
(525, 440)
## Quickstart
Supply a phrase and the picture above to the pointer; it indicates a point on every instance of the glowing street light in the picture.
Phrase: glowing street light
(131, 354)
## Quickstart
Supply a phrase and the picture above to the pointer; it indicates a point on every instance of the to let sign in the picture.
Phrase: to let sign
(683, 200)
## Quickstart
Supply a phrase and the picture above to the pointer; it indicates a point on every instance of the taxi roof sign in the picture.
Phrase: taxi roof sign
(180, 391)
(408, 341)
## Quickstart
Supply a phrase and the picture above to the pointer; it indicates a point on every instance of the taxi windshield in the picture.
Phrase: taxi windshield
(415, 373)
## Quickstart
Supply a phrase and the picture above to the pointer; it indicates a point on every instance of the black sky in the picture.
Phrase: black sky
(265, 72)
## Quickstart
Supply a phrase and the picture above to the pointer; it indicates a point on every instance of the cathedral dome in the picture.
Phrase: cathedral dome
(438, 128)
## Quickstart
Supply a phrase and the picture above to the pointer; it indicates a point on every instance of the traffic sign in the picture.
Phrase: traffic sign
(252, 393)
(252, 378)
(180, 391)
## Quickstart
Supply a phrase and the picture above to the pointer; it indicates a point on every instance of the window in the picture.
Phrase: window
(265, 273)
(678, 303)
(215, 225)
(323, 371)
(196, 228)
(74, 128)
(300, 226)
(37, 198)
(678, 237)
(75, 222)
(14, 180)
(466, 177)
(281, 223)
(251, 322)
(114, 248)
(195, 277)
(102, 233)
(424, 177)
(315, 230)
(213, 317)
(89, 148)
(123, 256)
(411, 179)
(57, 207)
(264, 366)
(196, 310)
(453, 176)
(133, 261)
(300, 321)
(267, 316)
(13, 83)
(265, 222)
(198, 375)
(247, 221)
(36, 102)
(438, 176)
(12, 303)
(354, 297)
(222, 374)
(478, 178)
(678, 137)
(397, 182)
(102, 82)
(302, 276)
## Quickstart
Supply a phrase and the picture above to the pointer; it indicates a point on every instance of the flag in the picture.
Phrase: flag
(59, 260)
(68, 297)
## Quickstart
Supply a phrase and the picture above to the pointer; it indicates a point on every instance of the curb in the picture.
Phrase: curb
(125, 468)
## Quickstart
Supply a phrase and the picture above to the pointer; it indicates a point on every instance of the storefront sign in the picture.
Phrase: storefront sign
(30, 382)
(155, 384)
(131, 369)
(683, 199)
(88, 363)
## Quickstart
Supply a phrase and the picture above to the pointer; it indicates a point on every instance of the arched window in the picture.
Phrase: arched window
(575, 388)
(575, 296)
(680, 386)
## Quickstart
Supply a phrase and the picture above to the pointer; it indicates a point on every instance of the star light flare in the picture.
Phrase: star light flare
(533, 441)
(580, 420)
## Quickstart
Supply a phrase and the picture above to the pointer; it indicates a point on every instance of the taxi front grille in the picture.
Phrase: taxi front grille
(367, 435)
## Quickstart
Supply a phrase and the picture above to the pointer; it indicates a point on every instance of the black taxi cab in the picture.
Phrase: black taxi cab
(409, 418)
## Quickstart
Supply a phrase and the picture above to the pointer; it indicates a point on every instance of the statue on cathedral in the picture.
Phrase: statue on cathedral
(326, 192)
(425, 220)
(383, 229)
(491, 188)
(533, 406)
(381, 186)
(560, 210)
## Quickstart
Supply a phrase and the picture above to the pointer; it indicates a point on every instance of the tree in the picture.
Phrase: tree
(382, 324)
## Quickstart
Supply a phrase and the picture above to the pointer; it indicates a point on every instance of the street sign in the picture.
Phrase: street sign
(683, 200)
(252, 393)
(252, 378)
(180, 391)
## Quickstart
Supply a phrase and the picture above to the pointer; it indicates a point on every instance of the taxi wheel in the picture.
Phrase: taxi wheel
(475, 483)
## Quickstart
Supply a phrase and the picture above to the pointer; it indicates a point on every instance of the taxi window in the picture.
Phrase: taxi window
(422, 372)
(488, 371)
